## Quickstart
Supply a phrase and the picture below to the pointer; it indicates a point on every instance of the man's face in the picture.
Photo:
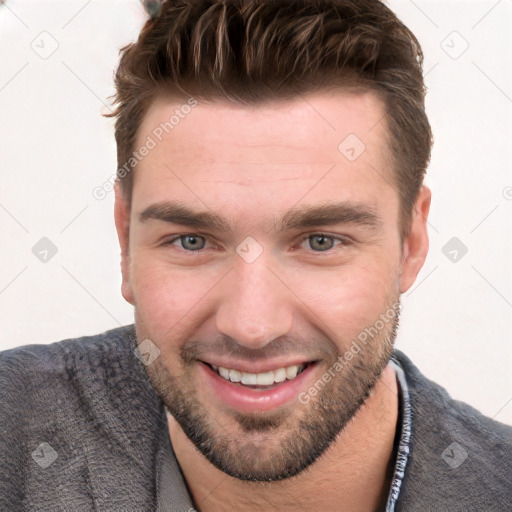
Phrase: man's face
(256, 243)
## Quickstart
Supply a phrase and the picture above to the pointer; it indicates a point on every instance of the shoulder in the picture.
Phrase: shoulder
(434, 406)
(60, 358)
(36, 379)
(85, 408)
(458, 456)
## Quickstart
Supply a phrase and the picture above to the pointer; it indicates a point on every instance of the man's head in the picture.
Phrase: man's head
(276, 220)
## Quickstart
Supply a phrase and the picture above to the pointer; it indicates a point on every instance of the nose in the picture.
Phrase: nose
(255, 306)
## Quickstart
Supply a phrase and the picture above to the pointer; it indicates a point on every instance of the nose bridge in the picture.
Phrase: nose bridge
(254, 308)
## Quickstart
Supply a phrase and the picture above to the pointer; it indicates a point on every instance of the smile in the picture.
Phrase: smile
(267, 378)
(251, 392)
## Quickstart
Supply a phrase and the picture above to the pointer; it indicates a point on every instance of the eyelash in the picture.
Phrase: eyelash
(343, 241)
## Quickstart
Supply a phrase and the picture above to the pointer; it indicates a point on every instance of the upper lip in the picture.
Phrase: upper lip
(256, 366)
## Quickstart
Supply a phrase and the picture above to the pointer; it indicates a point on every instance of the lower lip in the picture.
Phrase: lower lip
(247, 399)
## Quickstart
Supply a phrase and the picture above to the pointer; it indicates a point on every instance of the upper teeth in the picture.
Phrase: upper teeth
(261, 379)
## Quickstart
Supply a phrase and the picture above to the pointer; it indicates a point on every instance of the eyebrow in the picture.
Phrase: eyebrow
(331, 214)
(176, 213)
(297, 218)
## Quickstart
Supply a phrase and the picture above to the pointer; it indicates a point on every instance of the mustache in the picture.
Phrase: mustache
(310, 349)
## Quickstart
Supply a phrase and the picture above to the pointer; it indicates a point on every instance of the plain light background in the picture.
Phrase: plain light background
(56, 65)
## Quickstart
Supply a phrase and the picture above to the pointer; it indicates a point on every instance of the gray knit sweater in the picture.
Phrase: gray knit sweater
(81, 428)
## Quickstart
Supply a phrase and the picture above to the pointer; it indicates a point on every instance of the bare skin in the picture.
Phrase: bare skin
(303, 299)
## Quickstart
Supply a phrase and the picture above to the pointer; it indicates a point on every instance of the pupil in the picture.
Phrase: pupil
(322, 242)
(191, 242)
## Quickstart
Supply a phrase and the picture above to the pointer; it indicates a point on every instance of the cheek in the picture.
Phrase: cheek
(172, 302)
(351, 298)
(164, 297)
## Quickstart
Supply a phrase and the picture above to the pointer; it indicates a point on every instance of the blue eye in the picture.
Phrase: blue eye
(190, 242)
(322, 243)
(318, 242)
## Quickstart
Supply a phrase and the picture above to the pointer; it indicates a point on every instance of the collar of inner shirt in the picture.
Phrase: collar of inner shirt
(402, 437)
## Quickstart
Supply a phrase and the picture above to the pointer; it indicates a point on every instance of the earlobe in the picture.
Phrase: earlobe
(122, 221)
(415, 245)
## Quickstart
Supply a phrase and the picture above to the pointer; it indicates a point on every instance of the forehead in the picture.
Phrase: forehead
(321, 117)
(309, 144)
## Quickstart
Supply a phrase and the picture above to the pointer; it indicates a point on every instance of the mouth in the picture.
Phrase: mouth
(253, 392)
(262, 380)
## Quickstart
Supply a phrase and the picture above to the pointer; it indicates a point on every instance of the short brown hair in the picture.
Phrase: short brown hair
(249, 51)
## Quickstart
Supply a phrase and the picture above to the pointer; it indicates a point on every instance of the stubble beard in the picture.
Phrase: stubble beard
(274, 445)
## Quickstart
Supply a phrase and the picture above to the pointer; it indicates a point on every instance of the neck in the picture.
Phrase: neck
(353, 474)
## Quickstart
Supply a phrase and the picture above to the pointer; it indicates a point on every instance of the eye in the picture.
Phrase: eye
(189, 242)
(322, 243)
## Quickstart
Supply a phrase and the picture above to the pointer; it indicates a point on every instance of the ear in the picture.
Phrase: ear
(122, 219)
(415, 245)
